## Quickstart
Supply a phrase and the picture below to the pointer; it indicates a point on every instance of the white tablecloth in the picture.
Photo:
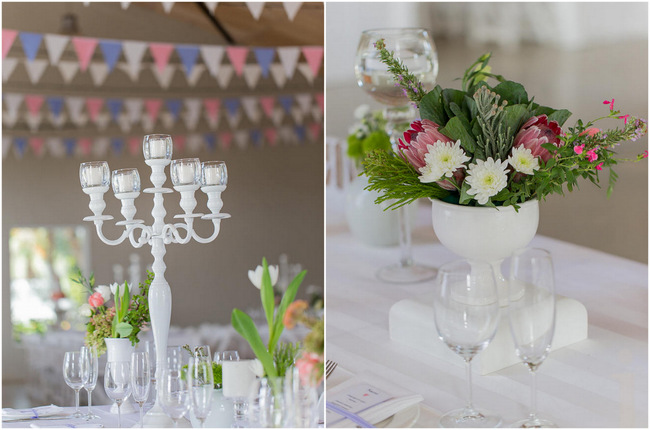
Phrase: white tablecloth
(598, 382)
(106, 419)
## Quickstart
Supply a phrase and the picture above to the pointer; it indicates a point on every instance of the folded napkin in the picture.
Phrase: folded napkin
(392, 399)
(9, 414)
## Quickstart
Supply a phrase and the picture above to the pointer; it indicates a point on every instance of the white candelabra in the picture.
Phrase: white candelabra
(188, 175)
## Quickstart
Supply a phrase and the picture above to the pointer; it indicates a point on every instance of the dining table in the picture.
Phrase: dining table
(601, 381)
(106, 419)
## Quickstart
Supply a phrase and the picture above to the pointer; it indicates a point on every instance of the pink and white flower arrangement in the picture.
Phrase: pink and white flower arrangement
(491, 145)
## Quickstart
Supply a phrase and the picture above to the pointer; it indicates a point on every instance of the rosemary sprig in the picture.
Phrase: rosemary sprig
(410, 84)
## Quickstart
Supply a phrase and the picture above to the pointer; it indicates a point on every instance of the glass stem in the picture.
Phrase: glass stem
(468, 369)
(119, 414)
(406, 255)
(76, 401)
(533, 395)
(90, 401)
(141, 415)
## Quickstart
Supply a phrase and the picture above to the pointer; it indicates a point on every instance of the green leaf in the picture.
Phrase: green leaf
(431, 106)
(513, 92)
(288, 297)
(514, 117)
(125, 300)
(245, 326)
(450, 95)
(560, 116)
(464, 197)
(266, 294)
(459, 128)
(123, 329)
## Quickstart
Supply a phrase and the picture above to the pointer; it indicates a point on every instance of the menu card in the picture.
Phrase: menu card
(355, 399)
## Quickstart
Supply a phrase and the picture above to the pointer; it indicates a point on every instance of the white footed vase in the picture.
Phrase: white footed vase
(488, 235)
(119, 350)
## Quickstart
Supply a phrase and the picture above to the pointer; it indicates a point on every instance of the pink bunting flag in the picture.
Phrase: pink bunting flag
(85, 144)
(314, 128)
(34, 103)
(267, 105)
(85, 48)
(320, 99)
(212, 108)
(161, 53)
(8, 37)
(153, 108)
(36, 143)
(94, 106)
(314, 57)
(134, 143)
(237, 56)
(271, 135)
(179, 142)
(226, 140)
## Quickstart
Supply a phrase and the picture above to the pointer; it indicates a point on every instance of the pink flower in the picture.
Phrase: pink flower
(599, 167)
(624, 118)
(95, 300)
(293, 313)
(537, 131)
(592, 156)
(416, 139)
(645, 154)
(591, 131)
(310, 368)
(610, 103)
(578, 149)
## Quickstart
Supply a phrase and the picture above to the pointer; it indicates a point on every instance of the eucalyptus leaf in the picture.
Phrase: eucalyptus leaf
(123, 329)
(245, 326)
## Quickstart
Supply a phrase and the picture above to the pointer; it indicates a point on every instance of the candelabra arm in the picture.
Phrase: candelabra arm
(145, 236)
(98, 226)
(171, 234)
(217, 228)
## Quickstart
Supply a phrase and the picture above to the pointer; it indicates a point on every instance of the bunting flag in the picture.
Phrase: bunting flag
(111, 50)
(98, 73)
(289, 59)
(237, 56)
(250, 108)
(55, 45)
(134, 144)
(94, 105)
(34, 121)
(252, 73)
(85, 48)
(210, 141)
(31, 42)
(211, 5)
(256, 8)
(68, 70)
(35, 70)
(291, 9)
(8, 37)
(161, 52)
(225, 75)
(8, 67)
(193, 113)
(195, 74)
(267, 103)
(165, 76)
(264, 57)
(314, 57)
(225, 140)
(188, 55)
(305, 70)
(194, 142)
(34, 103)
(36, 143)
(152, 106)
(212, 57)
(271, 135)
(167, 6)
(125, 5)
(114, 107)
(55, 105)
(133, 53)
(278, 74)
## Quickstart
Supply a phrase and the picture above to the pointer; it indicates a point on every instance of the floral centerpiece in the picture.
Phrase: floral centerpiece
(488, 145)
(367, 134)
(124, 318)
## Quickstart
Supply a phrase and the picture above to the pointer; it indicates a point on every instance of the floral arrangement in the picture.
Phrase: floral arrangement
(491, 146)
(125, 318)
(368, 134)
(275, 359)
(311, 363)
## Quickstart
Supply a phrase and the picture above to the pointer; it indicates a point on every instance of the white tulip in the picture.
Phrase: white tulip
(85, 310)
(115, 287)
(255, 276)
(105, 291)
(257, 368)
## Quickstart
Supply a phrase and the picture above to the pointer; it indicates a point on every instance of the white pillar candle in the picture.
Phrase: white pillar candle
(211, 175)
(186, 173)
(124, 183)
(158, 148)
(238, 378)
(95, 176)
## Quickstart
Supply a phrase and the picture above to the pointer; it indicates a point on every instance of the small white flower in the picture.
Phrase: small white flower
(361, 111)
(442, 159)
(115, 287)
(255, 276)
(523, 161)
(85, 310)
(486, 179)
(105, 291)
(257, 368)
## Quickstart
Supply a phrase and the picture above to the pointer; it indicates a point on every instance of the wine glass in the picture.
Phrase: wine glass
(415, 48)
(140, 380)
(90, 368)
(117, 384)
(201, 383)
(150, 349)
(238, 379)
(74, 376)
(220, 357)
(174, 394)
(466, 307)
(531, 313)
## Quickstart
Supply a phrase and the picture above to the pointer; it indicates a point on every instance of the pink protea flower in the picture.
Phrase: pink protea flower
(537, 131)
(416, 139)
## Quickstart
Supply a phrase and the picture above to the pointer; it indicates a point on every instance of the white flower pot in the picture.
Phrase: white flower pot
(485, 234)
(120, 350)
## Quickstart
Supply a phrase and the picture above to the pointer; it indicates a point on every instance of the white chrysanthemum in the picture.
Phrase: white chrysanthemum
(442, 159)
(486, 179)
(523, 160)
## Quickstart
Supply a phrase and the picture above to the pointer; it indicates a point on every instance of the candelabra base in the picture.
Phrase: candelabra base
(157, 418)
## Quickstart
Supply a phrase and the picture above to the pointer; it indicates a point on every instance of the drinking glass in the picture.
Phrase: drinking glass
(90, 369)
(415, 48)
(201, 383)
(117, 384)
(74, 376)
(140, 380)
(238, 380)
(466, 307)
(531, 313)
(150, 349)
(174, 394)
(220, 357)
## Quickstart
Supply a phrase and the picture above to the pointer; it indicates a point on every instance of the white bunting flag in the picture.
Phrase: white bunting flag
(133, 109)
(13, 102)
(291, 8)
(241, 139)
(194, 143)
(165, 77)
(75, 106)
(192, 113)
(304, 102)
(55, 45)
(278, 116)
(68, 70)
(167, 120)
(211, 5)
(233, 120)
(34, 121)
(288, 56)
(252, 109)
(102, 120)
(125, 4)
(6, 145)
(8, 67)
(55, 146)
(133, 52)
(278, 75)
(100, 146)
(147, 124)
(57, 121)
(213, 123)
(195, 75)
(98, 73)
(212, 57)
(252, 74)
(167, 6)
(287, 135)
(35, 69)
(10, 119)
(256, 8)
(297, 115)
(225, 75)
(316, 113)
(307, 73)
(124, 122)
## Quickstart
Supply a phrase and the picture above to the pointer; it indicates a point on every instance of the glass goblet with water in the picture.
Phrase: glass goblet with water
(201, 384)
(117, 384)
(415, 48)
(531, 314)
(90, 363)
(73, 374)
(466, 308)
(174, 394)
(140, 380)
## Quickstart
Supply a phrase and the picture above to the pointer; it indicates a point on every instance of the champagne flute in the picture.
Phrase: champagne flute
(174, 394)
(74, 376)
(531, 314)
(415, 48)
(201, 384)
(466, 306)
(117, 384)
(90, 363)
(150, 349)
(140, 380)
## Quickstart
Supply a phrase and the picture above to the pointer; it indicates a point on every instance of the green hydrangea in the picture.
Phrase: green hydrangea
(376, 140)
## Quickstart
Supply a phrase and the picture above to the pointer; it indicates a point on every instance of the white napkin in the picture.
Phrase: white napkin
(9, 414)
(340, 380)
